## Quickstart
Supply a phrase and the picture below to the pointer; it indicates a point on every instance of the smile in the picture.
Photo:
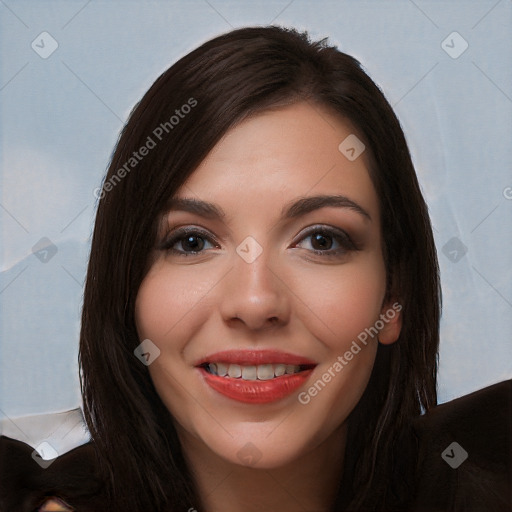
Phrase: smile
(250, 377)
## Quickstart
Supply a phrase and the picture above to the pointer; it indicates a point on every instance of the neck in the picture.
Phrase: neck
(308, 483)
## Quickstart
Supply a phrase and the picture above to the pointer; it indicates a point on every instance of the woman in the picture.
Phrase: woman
(261, 314)
(225, 82)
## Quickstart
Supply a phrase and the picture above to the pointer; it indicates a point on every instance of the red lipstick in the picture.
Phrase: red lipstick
(256, 391)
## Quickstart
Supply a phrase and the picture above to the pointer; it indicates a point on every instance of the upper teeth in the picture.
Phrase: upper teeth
(259, 372)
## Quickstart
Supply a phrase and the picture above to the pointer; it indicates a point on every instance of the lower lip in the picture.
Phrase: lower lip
(256, 391)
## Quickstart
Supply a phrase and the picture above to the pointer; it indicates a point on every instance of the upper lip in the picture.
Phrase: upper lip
(255, 357)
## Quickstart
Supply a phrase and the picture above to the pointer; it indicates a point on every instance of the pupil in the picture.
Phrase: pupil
(193, 243)
(321, 242)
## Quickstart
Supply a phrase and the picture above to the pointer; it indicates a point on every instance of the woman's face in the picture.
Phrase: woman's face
(259, 308)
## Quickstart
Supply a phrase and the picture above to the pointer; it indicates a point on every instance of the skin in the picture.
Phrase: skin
(288, 298)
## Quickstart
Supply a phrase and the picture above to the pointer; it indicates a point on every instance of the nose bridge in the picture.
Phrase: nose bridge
(254, 293)
(258, 276)
(252, 265)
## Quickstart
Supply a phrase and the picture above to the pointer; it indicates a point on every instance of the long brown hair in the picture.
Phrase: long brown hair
(223, 81)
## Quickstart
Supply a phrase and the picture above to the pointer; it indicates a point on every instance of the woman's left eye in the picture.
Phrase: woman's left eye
(327, 241)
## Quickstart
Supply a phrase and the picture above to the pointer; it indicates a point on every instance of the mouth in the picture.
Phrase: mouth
(255, 377)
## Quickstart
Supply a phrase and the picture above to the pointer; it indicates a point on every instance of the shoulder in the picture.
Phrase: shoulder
(26, 480)
(465, 453)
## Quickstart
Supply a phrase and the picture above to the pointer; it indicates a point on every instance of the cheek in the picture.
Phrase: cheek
(341, 304)
(170, 309)
(165, 299)
(162, 310)
(342, 313)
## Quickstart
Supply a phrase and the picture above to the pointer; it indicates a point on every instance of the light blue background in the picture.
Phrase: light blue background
(60, 118)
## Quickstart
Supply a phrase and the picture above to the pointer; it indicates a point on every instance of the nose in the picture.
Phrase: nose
(254, 295)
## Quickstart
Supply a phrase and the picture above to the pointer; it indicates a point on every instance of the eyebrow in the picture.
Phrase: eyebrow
(295, 209)
(202, 208)
(311, 203)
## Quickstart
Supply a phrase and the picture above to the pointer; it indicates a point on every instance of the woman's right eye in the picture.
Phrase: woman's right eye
(187, 242)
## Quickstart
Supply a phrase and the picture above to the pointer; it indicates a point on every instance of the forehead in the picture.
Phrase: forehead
(281, 154)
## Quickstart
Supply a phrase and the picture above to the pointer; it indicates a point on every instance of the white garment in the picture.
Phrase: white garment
(50, 435)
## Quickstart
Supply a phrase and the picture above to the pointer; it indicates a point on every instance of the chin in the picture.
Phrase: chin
(261, 446)
(263, 454)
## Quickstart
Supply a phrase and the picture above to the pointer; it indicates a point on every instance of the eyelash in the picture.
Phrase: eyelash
(344, 240)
